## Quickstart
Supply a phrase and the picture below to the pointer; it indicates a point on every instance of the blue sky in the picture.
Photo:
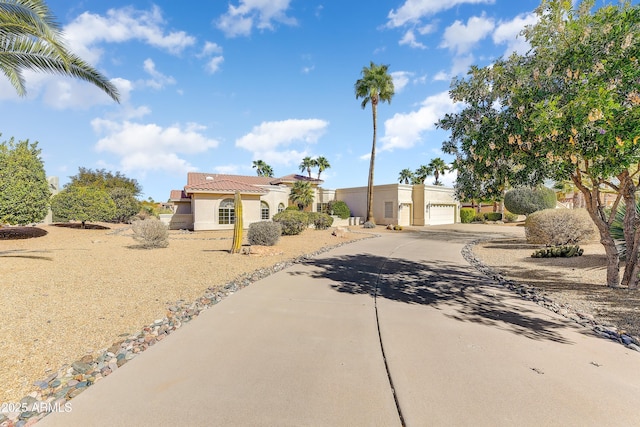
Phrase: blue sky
(212, 87)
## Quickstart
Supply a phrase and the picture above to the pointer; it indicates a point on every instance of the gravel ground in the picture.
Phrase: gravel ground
(73, 292)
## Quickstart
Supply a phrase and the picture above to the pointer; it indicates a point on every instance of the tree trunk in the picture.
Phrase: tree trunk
(374, 109)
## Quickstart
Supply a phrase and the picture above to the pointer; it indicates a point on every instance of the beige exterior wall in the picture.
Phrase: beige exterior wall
(390, 202)
(205, 210)
(426, 195)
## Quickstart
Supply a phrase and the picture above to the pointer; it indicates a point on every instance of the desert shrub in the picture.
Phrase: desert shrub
(339, 208)
(321, 221)
(151, 233)
(292, 222)
(265, 233)
(524, 201)
(510, 217)
(292, 208)
(467, 215)
(493, 216)
(559, 227)
(479, 217)
(369, 224)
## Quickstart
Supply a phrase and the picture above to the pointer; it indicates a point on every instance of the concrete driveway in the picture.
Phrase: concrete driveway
(384, 332)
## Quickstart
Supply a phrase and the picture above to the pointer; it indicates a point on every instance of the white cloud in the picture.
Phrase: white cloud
(508, 33)
(409, 39)
(462, 38)
(213, 65)
(402, 78)
(158, 80)
(412, 11)
(210, 48)
(240, 20)
(119, 26)
(147, 147)
(267, 140)
(405, 130)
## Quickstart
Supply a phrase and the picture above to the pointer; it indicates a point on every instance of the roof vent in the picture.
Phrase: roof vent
(209, 178)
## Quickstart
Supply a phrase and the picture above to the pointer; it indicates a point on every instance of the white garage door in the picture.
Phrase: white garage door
(442, 214)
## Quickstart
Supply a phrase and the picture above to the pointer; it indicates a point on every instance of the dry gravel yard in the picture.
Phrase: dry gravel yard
(73, 292)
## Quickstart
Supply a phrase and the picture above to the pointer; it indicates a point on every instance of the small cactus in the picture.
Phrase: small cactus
(237, 228)
(565, 251)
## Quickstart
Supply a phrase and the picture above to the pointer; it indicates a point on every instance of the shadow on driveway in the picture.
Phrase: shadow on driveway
(467, 295)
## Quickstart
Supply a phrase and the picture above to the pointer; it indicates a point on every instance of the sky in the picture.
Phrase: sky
(214, 87)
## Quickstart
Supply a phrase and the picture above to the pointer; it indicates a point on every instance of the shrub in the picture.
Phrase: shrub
(479, 217)
(321, 221)
(510, 217)
(524, 201)
(397, 227)
(292, 222)
(265, 233)
(151, 233)
(339, 208)
(369, 224)
(557, 227)
(467, 215)
(493, 216)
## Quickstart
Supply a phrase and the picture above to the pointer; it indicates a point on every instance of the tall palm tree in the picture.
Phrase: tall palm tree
(421, 174)
(301, 194)
(262, 169)
(436, 168)
(322, 164)
(405, 176)
(31, 39)
(375, 85)
(307, 164)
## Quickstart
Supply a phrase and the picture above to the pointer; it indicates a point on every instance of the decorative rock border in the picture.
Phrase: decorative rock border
(531, 293)
(53, 392)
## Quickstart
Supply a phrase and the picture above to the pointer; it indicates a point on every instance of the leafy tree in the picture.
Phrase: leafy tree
(405, 176)
(104, 180)
(322, 164)
(24, 190)
(126, 204)
(306, 164)
(84, 204)
(301, 194)
(525, 201)
(262, 169)
(31, 39)
(421, 174)
(436, 168)
(568, 110)
(375, 85)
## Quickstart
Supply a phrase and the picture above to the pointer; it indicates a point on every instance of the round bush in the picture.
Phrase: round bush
(321, 221)
(264, 233)
(493, 216)
(479, 217)
(151, 233)
(524, 201)
(369, 224)
(340, 209)
(559, 227)
(292, 222)
(467, 215)
(510, 217)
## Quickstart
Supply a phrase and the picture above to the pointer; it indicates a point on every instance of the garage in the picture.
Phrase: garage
(441, 213)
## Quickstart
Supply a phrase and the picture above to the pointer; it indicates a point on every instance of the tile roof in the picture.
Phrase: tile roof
(198, 177)
(295, 177)
(224, 186)
(224, 183)
(177, 195)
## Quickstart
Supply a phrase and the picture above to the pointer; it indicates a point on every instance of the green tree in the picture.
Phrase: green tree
(84, 204)
(375, 85)
(525, 201)
(405, 176)
(421, 174)
(301, 194)
(306, 165)
(24, 190)
(126, 204)
(262, 168)
(569, 109)
(322, 164)
(31, 39)
(436, 168)
(104, 180)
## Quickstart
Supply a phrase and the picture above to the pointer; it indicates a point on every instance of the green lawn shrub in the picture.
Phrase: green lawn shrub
(467, 215)
(321, 221)
(556, 227)
(510, 217)
(293, 222)
(524, 201)
(493, 216)
(264, 233)
(479, 217)
(339, 208)
(151, 233)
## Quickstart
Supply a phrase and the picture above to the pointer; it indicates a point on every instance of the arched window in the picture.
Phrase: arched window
(280, 207)
(226, 212)
(264, 211)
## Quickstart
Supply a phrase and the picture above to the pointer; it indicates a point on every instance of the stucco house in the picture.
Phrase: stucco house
(206, 202)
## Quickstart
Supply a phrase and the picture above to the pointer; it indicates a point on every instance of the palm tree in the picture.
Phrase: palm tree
(31, 39)
(262, 169)
(322, 164)
(375, 85)
(405, 176)
(421, 174)
(436, 168)
(307, 164)
(301, 194)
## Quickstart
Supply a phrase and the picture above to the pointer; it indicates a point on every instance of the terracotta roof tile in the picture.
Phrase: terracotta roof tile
(224, 186)
(177, 195)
